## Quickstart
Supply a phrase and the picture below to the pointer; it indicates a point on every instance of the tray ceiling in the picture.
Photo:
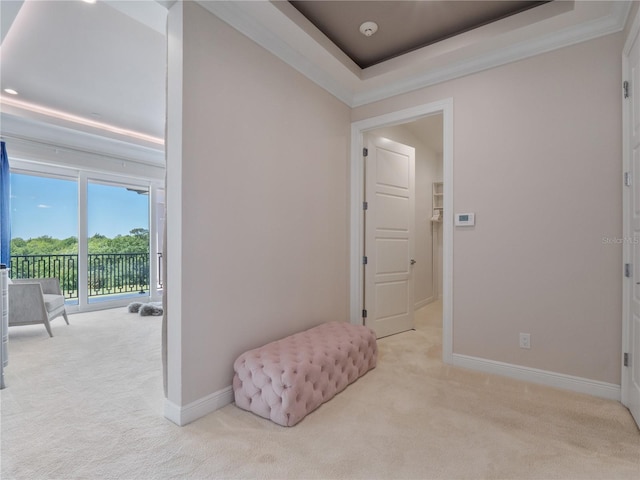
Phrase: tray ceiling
(404, 26)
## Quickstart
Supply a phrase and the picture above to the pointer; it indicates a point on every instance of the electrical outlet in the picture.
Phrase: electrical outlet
(525, 340)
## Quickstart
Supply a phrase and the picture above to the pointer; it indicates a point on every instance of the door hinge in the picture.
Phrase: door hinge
(626, 359)
(365, 152)
(364, 314)
(628, 271)
(364, 260)
(625, 89)
(365, 205)
(627, 179)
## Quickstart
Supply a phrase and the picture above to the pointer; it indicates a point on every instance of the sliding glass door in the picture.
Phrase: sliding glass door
(44, 226)
(100, 235)
(118, 260)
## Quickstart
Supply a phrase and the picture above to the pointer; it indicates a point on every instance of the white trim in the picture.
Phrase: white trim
(22, 128)
(627, 253)
(153, 243)
(151, 14)
(541, 377)
(109, 305)
(268, 26)
(242, 17)
(29, 167)
(8, 13)
(56, 146)
(83, 241)
(424, 303)
(183, 415)
(60, 170)
(58, 116)
(447, 233)
(173, 203)
(627, 256)
(632, 34)
(513, 53)
(445, 107)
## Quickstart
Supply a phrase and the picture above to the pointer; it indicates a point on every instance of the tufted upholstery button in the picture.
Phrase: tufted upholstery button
(309, 368)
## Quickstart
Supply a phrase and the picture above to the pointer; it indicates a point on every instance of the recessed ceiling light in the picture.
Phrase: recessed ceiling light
(89, 1)
(10, 91)
(368, 28)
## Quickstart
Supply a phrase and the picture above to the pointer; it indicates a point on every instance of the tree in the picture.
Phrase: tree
(137, 241)
(43, 259)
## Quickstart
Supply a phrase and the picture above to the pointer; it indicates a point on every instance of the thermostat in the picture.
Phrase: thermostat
(465, 219)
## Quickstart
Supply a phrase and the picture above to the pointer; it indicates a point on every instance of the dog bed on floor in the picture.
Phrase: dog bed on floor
(146, 309)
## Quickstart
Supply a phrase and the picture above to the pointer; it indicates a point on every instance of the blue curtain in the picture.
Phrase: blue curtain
(5, 208)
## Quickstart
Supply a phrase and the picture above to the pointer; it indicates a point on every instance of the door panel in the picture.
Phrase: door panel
(392, 255)
(389, 229)
(393, 169)
(391, 299)
(393, 212)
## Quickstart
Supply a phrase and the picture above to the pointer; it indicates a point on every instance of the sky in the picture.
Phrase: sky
(49, 206)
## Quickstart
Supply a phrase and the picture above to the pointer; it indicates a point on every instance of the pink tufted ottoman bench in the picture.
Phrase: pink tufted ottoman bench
(289, 378)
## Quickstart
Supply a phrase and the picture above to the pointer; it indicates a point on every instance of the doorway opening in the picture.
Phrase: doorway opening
(435, 281)
(423, 263)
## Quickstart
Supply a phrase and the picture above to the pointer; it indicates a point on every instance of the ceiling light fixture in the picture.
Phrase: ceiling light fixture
(89, 1)
(368, 28)
(10, 91)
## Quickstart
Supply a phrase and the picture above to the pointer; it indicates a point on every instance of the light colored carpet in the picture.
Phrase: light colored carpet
(87, 404)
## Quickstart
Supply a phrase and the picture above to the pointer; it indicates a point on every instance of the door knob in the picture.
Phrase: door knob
(413, 262)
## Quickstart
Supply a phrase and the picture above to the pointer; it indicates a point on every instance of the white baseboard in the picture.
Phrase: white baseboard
(423, 303)
(542, 377)
(201, 407)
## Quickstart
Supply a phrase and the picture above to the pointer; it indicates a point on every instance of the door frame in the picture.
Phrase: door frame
(627, 285)
(357, 234)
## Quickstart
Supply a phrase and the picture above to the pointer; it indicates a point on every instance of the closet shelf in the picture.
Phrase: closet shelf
(438, 197)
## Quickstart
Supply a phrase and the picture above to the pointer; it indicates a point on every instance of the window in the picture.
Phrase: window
(97, 233)
(117, 240)
(44, 226)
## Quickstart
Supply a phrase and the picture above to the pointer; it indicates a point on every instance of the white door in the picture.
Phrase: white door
(389, 227)
(631, 214)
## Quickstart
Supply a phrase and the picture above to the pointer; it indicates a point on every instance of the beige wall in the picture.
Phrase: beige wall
(537, 149)
(537, 157)
(264, 202)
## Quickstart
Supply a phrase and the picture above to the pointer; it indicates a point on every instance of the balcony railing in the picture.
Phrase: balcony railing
(117, 273)
(62, 267)
(107, 273)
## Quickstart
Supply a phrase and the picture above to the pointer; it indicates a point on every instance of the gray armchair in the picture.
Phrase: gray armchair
(35, 300)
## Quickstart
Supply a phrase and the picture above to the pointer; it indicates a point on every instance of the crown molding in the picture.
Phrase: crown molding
(8, 13)
(248, 18)
(151, 14)
(35, 139)
(267, 25)
(543, 44)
